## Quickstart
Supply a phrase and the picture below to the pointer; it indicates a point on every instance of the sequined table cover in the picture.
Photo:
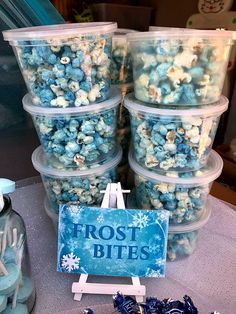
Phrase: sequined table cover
(208, 276)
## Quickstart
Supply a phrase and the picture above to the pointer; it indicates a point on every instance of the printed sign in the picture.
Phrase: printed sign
(111, 241)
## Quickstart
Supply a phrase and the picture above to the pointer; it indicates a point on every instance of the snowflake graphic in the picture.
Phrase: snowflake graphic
(100, 219)
(140, 220)
(154, 248)
(162, 216)
(70, 262)
(160, 262)
(153, 273)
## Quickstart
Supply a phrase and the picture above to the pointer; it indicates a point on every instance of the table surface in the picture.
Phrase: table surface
(208, 275)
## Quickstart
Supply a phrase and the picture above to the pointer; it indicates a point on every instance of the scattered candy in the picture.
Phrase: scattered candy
(179, 67)
(65, 66)
(173, 140)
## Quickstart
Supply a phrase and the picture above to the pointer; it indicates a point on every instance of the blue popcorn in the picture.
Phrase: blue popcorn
(180, 245)
(172, 197)
(178, 142)
(180, 69)
(80, 140)
(80, 190)
(67, 65)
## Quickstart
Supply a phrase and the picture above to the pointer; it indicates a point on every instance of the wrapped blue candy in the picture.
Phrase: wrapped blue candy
(65, 65)
(184, 195)
(173, 139)
(80, 138)
(71, 186)
(178, 66)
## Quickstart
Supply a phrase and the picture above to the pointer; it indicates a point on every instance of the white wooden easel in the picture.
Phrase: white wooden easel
(113, 198)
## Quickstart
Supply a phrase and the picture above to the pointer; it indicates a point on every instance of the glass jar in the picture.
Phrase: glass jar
(17, 292)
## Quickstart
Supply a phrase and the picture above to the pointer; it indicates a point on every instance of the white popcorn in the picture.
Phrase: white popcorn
(143, 80)
(60, 101)
(94, 93)
(181, 196)
(195, 139)
(81, 98)
(44, 129)
(65, 60)
(155, 93)
(73, 86)
(149, 61)
(151, 161)
(170, 147)
(162, 187)
(177, 75)
(185, 59)
(166, 164)
(156, 203)
(56, 90)
(192, 132)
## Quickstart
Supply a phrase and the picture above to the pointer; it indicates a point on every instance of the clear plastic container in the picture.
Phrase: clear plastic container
(65, 65)
(184, 195)
(17, 291)
(82, 137)
(75, 186)
(182, 238)
(180, 66)
(173, 139)
(121, 65)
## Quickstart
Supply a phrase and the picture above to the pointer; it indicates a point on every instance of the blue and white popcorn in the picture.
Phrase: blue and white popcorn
(181, 244)
(77, 190)
(75, 186)
(65, 66)
(185, 204)
(184, 195)
(173, 140)
(179, 67)
(81, 139)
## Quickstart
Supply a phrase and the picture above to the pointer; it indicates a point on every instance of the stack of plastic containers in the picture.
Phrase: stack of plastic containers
(174, 111)
(122, 78)
(74, 110)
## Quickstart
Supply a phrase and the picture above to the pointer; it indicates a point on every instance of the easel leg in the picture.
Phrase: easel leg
(82, 279)
(136, 282)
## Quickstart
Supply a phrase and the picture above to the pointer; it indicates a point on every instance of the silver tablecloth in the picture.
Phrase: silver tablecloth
(208, 276)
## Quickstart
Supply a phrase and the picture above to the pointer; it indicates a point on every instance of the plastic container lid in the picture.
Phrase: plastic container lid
(113, 101)
(214, 109)
(182, 34)
(205, 175)
(178, 228)
(163, 28)
(59, 31)
(121, 33)
(42, 165)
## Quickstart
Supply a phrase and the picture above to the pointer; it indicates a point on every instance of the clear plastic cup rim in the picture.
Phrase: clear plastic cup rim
(112, 102)
(183, 227)
(213, 109)
(183, 34)
(214, 163)
(59, 31)
(120, 33)
(41, 164)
